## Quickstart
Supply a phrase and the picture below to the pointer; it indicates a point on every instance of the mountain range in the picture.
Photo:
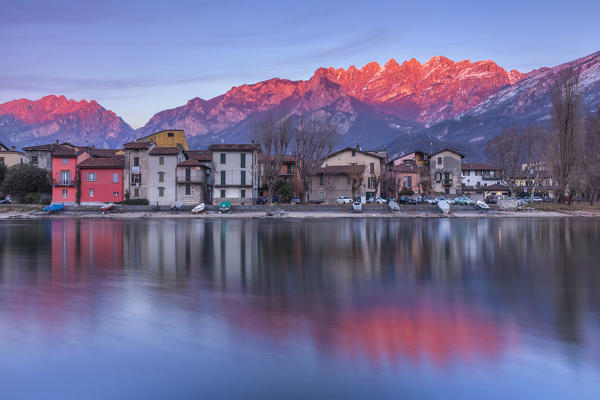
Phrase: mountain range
(440, 103)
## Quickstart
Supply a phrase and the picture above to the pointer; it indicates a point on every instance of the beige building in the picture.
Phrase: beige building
(328, 183)
(445, 169)
(373, 171)
(10, 156)
(137, 178)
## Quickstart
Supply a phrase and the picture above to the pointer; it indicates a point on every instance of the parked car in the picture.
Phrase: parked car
(344, 200)
(491, 199)
(380, 200)
(5, 200)
(429, 200)
(262, 200)
(295, 200)
(439, 198)
(537, 199)
(463, 201)
(406, 200)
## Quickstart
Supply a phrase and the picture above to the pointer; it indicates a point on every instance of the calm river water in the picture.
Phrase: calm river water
(262, 309)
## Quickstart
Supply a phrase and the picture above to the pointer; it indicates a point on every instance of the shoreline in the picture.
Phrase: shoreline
(411, 214)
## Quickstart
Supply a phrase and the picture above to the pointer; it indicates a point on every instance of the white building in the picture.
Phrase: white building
(162, 171)
(480, 175)
(235, 172)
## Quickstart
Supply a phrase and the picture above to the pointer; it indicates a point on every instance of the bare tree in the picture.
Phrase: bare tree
(534, 149)
(273, 134)
(314, 139)
(590, 162)
(505, 152)
(376, 178)
(356, 175)
(566, 118)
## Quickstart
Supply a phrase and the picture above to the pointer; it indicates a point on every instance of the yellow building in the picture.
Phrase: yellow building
(10, 157)
(167, 138)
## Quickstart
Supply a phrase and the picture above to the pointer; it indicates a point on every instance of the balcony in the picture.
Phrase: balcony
(447, 182)
(489, 177)
(64, 182)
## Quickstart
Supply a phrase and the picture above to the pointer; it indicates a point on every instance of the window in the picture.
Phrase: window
(91, 192)
(64, 193)
(321, 180)
(65, 177)
(371, 183)
(243, 160)
(321, 195)
(439, 160)
(136, 192)
(446, 175)
(290, 169)
(348, 181)
(243, 193)
(188, 190)
(136, 161)
(223, 158)
(222, 177)
(170, 134)
(1, 160)
(91, 177)
(34, 160)
(222, 193)
(188, 174)
(353, 153)
(161, 192)
(243, 178)
(65, 160)
(115, 177)
(136, 178)
(372, 167)
(438, 176)
(116, 194)
(161, 176)
(161, 160)
(408, 182)
(447, 191)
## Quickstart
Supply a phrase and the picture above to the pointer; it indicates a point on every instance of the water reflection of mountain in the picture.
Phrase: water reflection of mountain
(439, 288)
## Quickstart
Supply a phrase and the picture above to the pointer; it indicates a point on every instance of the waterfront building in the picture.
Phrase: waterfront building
(41, 155)
(65, 179)
(235, 168)
(330, 182)
(288, 174)
(480, 175)
(162, 171)
(372, 174)
(102, 180)
(11, 156)
(402, 175)
(137, 178)
(445, 171)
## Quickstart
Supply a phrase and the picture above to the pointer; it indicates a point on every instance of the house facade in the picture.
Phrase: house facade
(373, 174)
(445, 169)
(328, 183)
(192, 183)
(402, 175)
(137, 178)
(41, 155)
(162, 172)
(10, 156)
(65, 178)
(102, 180)
(235, 169)
(167, 138)
(480, 175)
(288, 174)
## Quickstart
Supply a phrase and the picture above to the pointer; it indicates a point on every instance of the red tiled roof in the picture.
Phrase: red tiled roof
(191, 163)
(407, 166)
(358, 150)
(104, 162)
(49, 147)
(233, 147)
(102, 152)
(65, 152)
(138, 145)
(478, 167)
(200, 155)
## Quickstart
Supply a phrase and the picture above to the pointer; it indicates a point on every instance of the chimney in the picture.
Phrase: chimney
(357, 147)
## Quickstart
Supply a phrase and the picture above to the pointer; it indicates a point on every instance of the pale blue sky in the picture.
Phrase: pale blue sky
(140, 57)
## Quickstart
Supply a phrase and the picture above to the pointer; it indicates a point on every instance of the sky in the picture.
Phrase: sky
(137, 58)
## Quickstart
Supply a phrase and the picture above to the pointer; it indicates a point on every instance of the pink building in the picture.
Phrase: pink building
(101, 180)
(64, 174)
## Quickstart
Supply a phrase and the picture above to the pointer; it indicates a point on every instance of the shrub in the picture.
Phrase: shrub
(284, 190)
(3, 170)
(135, 202)
(406, 191)
(32, 198)
(24, 178)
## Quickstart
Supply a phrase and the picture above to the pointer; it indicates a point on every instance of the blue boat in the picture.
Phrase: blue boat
(52, 208)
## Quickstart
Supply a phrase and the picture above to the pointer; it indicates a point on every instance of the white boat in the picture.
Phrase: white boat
(443, 207)
(107, 207)
(357, 207)
(177, 205)
(482, 205)
(393, 206)
(198, 209)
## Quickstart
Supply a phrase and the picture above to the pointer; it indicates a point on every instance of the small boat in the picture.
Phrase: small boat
(107, 207)
(443, 206)
(54, 208)
(225, 207)
(198, 209)
(482, 205)
(393, 206)
(177, 206)
(357, 207)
